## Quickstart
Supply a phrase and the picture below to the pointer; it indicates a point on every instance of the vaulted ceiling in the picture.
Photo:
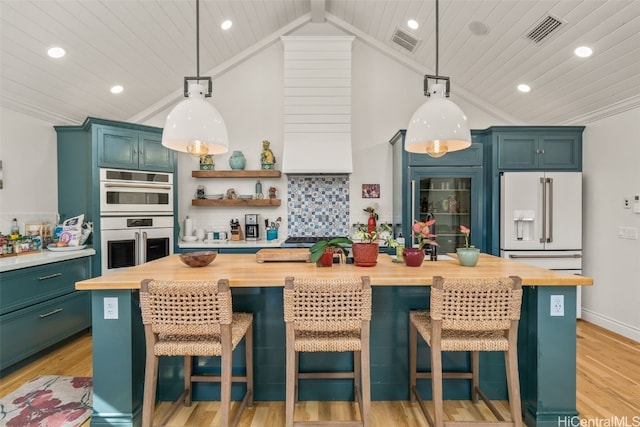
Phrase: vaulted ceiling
(148, 46)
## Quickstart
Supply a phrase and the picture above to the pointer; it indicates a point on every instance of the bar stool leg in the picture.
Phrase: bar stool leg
(248, 341)
(188, 385)
(475, 372)
(513, 384)
(357, 375)
(291, 362)
(413, 359)
(366, 383)
(150, 383)
(436, 383)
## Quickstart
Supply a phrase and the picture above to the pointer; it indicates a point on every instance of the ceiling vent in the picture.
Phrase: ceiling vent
(544, 29)
(405, 39)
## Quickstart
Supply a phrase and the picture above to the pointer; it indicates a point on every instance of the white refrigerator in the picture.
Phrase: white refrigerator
(541, 220)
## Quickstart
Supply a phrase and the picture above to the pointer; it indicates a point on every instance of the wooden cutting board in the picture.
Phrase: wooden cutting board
(283, 254)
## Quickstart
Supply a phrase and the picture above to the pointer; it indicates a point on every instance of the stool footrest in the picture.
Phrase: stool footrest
(323, 375)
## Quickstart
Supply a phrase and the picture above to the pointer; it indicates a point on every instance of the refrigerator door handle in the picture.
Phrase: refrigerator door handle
(550, 212)
(137, 251)
(543, 230)
(514, 256)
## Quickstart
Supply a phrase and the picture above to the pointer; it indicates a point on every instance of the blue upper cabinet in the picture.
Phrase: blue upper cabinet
(538, 148)
(126, 148)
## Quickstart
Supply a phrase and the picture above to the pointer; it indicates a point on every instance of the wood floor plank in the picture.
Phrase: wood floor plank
(608, 385)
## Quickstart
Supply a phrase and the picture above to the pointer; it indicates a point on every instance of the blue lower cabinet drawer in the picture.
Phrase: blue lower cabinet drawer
(24, 287)
(27, 331)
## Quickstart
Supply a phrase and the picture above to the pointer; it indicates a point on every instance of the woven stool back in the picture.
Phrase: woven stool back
(327, 305)
(186, 308)
(476, 304)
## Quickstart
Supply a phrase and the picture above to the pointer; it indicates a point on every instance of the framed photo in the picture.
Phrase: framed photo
(370, 191)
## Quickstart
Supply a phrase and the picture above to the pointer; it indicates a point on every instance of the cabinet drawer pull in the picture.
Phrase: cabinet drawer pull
(51, 313)
(51, 276)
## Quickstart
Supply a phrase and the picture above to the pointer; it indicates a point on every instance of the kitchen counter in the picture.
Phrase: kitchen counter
(39, 258)
(546, 344)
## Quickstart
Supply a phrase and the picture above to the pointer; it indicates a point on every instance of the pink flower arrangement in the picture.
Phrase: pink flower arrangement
(466, 231)
(422, 232)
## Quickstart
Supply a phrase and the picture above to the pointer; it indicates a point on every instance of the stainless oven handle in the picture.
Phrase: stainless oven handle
(544, 256)
(137, 251)
(124, 185)
(144, 246)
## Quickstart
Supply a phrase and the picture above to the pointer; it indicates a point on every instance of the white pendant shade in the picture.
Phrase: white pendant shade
(194, 126)
(439, 126)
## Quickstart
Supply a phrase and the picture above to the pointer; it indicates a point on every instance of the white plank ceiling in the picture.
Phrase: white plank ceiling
(148, 46)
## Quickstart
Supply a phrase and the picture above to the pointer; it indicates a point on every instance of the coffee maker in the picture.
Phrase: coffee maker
(251, 228)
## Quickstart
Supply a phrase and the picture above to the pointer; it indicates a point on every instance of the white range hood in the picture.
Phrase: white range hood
(317, 105)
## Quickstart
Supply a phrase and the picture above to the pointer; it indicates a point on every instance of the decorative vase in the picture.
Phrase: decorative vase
(413, 257)
(365, 254)
(237, 160)
(468, 257)
(371, 224)
(326, 260)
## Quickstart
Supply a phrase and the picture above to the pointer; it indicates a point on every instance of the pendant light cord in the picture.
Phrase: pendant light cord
(437, 37)
(198, 40)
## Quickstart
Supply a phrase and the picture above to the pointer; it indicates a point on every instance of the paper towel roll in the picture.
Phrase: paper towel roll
(188, 227)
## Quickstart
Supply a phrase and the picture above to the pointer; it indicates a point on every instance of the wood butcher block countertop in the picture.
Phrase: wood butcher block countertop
(243, 270)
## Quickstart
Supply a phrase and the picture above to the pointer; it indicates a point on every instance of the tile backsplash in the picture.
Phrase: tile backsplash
(318, 205)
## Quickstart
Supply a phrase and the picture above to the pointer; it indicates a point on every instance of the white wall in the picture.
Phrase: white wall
(611, 152)
(28, 154)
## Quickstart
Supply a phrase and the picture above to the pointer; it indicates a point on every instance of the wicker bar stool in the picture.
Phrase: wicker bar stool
(330, 315)
(468, 315)
(194, 319)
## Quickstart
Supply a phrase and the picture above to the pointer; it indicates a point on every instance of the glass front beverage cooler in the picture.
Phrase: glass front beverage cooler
(451, 198)
(448, 201)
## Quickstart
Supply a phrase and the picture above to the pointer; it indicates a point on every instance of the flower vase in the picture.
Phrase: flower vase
(468, 257)
(413, 257)
(371, 224)
(365, 254)
(326, 260)
(237, 160)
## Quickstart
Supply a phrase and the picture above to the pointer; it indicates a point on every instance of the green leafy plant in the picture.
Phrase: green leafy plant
(362, 232)
(320, 246)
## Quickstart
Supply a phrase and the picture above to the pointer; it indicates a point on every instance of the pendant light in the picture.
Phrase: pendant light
(438, 126)
(194, 126)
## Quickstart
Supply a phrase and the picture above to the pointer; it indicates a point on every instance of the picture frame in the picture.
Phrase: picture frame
(370, 191)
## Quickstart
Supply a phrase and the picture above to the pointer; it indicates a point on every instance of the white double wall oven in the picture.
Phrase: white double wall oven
(136, 217)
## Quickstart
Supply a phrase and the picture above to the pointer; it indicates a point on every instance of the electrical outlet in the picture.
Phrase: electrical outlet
(557, 305)
(627, 203)
(110, 308)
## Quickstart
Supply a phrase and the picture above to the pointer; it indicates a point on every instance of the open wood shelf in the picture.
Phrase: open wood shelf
(266, 173)
(235, 202)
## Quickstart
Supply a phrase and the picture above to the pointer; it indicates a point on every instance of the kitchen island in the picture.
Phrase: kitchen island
(546, 343)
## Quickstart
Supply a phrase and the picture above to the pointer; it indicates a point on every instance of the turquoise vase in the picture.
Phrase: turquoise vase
(237, 160)
(468, 257)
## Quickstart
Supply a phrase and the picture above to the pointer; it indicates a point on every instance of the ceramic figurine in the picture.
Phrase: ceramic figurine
(272, 192)
(267, 158)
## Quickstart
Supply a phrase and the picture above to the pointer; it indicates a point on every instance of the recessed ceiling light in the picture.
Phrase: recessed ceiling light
(226, 25)
(56, 52)
(478, 28)
(524, 88)
(583, 51)
(116, 89)
(413, 24)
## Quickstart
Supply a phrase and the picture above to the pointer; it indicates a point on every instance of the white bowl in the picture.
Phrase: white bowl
(245, 196)
(213, 196)
(189, 238)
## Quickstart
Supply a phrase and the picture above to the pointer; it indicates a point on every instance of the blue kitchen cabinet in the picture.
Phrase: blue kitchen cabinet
(424, 186)
(537, 148)
(84, 149)
(525, 148)
(129, 148)
(40, 307)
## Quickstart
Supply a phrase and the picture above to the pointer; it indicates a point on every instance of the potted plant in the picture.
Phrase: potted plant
(469, 254)
(322, 251)
(365, 252)
(413, 257)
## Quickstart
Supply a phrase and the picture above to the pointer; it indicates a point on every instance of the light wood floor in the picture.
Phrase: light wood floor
(608, 383)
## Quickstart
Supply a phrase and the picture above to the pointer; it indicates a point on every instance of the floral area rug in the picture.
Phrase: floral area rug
(48, 401)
